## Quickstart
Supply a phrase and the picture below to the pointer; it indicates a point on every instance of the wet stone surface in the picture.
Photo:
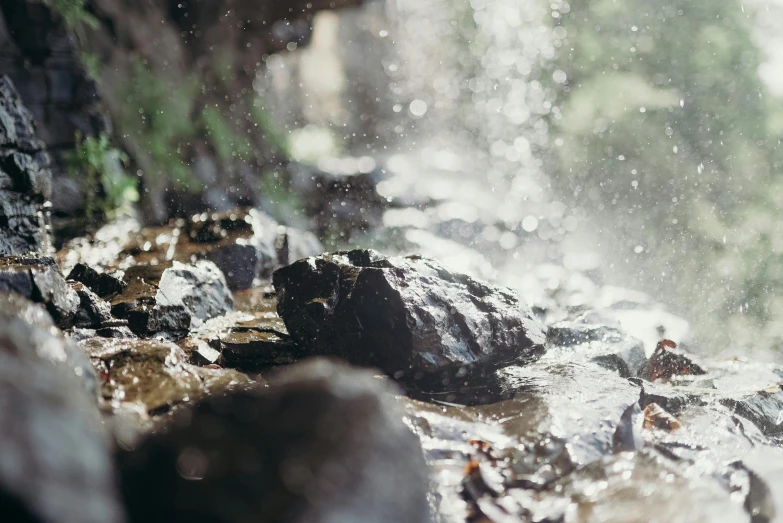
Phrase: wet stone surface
(153, 375)
(405, 315)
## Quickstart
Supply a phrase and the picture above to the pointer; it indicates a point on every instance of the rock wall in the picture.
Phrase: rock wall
(25, 179)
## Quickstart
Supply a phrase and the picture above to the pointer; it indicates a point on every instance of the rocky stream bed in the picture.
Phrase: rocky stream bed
(224, 368)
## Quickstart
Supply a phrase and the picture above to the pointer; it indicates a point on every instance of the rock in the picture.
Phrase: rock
(200, 288)
(256, 349)
(54, 460)
(103, 284)
(667, 361)
(199, 352)
(27, 331)
(764, 408)
(668, 398)
(93, 312)
(607, 345)
(39, 279)
(407, 316)
(252, 340)
(346, 201)
(164, 299)
(165, 321)
(322, 443)
(25, 178)
(241, 244)
(154, 374)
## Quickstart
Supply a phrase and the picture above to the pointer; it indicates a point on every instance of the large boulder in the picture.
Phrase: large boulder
(25, 179)
(407, 315)
(55, 464)
(323, 443)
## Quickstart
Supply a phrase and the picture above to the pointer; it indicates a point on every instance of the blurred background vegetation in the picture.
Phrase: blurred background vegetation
(671, 141)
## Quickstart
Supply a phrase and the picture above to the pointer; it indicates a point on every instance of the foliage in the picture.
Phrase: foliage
(281, 201)
(228, 143)
(92, 64)
(269, 132)
(157, 116)
(665, 136)
(98, 165)
(73, 12)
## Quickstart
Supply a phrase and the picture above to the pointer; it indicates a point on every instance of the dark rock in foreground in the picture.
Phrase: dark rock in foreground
(39, 279)
(55, 465)
(323, 443)
(407, 316)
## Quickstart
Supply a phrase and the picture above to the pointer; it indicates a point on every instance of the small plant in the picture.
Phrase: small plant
(158, 115)
(107, 187)
(73, 12)
(276, 138)
(226, 140)
(93, 65)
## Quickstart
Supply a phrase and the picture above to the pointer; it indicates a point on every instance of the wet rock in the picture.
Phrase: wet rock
(39, 279)
(764, 408)
(121, 332)
(667, 361)
(336, 451)
(254, 339)
(25, 178)
(200, 288)
(605, 344)
(666, 397)
(103, 284)
(255, 349)
(167, 321)
(28, 333)
(241, 244)
(199, 352)
(54, 459)
(164, 299)
(93, 312)
(405, 315)
(154, 374)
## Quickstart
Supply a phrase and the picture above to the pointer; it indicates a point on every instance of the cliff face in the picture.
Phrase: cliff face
(177, 95)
